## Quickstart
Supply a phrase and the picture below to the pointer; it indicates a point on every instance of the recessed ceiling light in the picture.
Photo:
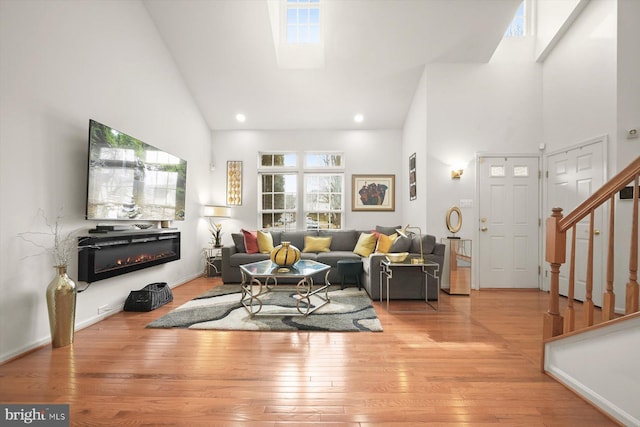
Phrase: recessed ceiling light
(241, 118)
(358, 118)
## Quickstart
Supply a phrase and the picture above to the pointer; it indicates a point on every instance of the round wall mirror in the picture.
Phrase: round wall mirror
(454, 219)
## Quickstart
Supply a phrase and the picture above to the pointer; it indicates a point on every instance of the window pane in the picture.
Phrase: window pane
(314, 15)
(522, 171)
(267, 183)
(303, 16)
(291, 201)
(267, 220)
(292, 34)
(323, 160)
(497, 171)
(303, 34)
(292, 16)
(278, 201)
(267, 202)
(290, 184)
(266, 160)
(336, 202)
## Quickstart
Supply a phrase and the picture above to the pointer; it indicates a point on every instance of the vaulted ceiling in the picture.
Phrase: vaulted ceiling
(374, 55)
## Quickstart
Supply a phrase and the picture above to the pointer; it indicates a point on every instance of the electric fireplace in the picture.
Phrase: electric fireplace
(116, 253)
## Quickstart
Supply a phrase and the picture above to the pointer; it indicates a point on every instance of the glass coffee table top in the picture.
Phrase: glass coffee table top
(302, 268)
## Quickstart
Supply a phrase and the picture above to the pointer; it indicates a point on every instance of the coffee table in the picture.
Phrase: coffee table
(428, 269)
(261, 277)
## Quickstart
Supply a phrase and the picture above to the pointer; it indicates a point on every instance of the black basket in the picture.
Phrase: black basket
(149, 298)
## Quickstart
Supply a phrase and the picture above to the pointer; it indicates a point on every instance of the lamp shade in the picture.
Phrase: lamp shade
(217, 211)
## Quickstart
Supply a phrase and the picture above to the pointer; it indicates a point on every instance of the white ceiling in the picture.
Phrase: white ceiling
(375, 51)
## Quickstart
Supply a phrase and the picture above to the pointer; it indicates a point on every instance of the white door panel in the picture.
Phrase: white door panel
(573, 175)
(508, 243)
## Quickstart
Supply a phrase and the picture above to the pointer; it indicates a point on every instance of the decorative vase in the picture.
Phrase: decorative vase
(61, 302)
(285, 255)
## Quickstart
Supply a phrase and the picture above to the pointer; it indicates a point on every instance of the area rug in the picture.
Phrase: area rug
(220, 308)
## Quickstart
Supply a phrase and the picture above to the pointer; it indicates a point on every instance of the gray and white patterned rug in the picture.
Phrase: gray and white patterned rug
(219, 308)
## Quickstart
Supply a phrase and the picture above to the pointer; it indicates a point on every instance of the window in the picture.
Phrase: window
(303, 21)
(322, 191)
(323, 200)
(279, 200)
(323, 160)
(278, 160)
(518, 27)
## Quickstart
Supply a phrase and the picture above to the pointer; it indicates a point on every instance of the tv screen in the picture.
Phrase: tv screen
(131, 180)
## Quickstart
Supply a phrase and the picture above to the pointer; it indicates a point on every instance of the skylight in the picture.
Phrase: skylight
(303, 21)
(518, 27)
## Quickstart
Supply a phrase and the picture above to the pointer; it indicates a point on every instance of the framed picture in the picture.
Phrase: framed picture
(413, 194)
(373, 193)
(234, 183)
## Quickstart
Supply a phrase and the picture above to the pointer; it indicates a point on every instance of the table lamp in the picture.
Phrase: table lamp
(213, 212)
(404, 233)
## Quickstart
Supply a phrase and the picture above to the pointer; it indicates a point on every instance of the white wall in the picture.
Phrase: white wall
(366, 152)
(628, 109)
(579, 80)
(414, 140)
(475, 108)
(62, 63)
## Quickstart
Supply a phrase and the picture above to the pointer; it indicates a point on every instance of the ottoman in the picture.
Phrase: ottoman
(348, 268)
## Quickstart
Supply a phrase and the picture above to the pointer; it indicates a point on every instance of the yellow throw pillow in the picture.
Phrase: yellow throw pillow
(366, 244)
(316, 244)
(385, 242)
(265, 242)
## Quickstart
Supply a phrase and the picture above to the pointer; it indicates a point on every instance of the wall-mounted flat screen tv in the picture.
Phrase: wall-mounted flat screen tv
(131, 180)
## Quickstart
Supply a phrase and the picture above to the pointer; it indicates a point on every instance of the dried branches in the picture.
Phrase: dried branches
(53, 241)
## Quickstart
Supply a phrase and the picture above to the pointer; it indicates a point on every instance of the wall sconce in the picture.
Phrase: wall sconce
(456, 173)
(216, 211)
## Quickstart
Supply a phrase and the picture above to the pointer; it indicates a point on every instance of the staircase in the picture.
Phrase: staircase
(597, 361)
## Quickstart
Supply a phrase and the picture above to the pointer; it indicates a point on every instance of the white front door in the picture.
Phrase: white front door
(509, 222)
(573, 175)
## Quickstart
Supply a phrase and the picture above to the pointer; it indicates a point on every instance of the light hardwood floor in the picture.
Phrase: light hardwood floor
(474, 363)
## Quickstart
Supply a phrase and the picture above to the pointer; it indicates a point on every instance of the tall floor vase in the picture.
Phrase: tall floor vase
(61, 302)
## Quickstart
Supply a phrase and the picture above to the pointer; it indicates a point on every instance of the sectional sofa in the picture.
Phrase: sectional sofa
(407, 283)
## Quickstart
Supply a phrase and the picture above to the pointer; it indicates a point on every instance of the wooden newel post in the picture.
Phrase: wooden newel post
(555, 255)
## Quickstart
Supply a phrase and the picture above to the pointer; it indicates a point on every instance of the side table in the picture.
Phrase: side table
(212, 259)
(428, 269)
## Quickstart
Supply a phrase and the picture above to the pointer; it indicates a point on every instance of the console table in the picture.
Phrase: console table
(456, 277)
(428, 269)
(261, 277)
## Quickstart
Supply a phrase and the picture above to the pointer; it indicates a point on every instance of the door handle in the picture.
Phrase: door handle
(484, 229)
(596, 232)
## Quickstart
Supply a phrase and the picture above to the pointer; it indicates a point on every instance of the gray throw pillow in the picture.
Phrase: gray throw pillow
(238, 240)
(402, 244)
(387, 230)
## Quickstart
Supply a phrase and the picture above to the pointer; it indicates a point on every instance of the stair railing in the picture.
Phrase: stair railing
(556, 240)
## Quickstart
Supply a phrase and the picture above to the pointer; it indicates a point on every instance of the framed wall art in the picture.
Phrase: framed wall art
(373, 193)
(234, 182)
(413, 194)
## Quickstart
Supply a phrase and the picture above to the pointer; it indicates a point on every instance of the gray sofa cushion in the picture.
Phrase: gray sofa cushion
(332, 258)
(344, 240)
(387, 230)
(238, 259)
(428, 243)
